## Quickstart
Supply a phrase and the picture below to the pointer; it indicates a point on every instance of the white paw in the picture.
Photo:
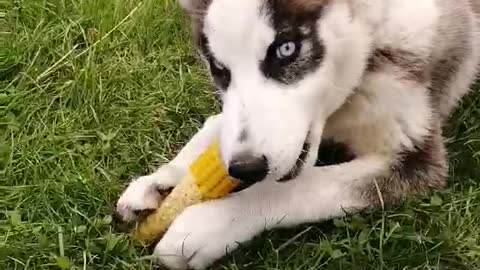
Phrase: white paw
(143, 193)
(202, 234)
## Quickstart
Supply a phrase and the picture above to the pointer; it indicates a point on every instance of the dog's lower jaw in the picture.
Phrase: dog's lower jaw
(299, 164)
(307, 157)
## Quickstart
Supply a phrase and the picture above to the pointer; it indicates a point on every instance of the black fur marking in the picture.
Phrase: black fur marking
(329, 153)
(333, 153)
(299, 28)
(221, 75)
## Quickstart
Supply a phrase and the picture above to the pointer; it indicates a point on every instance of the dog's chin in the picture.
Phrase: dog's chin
(300, 162)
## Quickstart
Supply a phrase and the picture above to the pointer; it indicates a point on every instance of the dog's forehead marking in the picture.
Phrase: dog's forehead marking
(248, 27)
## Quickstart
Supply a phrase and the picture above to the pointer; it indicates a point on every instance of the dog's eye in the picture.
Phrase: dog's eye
(221, 74)
(286, 50)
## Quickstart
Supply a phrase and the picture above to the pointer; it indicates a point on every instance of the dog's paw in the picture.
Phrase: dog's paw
(201, 235)
(144, 193)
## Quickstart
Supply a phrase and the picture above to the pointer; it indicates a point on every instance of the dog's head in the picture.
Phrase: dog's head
(282, 68)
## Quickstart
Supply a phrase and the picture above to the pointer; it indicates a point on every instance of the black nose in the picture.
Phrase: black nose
(248, 168)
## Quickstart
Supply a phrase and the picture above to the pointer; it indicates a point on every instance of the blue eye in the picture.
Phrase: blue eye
(286, 50)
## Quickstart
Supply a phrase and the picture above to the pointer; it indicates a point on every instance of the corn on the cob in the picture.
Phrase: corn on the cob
(207, 179)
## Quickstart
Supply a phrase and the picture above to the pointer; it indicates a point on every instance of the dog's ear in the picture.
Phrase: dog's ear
(194, 7)
(187, 5)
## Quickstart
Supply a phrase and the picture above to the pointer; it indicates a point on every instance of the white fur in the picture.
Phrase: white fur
(249, 92)
(385, 118)
(301, 105)
(397, 32)
(205, 232)
(377, 114)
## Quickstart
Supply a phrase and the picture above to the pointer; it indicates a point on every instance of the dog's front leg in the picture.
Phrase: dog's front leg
(206, 232)
(143, 193)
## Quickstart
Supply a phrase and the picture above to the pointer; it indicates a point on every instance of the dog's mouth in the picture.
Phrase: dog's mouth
(297, 168)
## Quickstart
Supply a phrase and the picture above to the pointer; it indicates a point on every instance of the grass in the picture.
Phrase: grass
(95, 92)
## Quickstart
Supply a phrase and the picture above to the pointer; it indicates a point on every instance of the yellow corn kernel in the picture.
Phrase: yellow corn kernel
(207, 180)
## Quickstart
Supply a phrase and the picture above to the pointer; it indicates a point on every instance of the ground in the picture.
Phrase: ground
(93, 93)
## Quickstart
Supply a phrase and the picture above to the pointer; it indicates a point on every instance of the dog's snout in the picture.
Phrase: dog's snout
(248, 168)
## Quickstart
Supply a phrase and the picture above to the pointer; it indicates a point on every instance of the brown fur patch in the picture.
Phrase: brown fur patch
(443, 73)
(411, 67)
(196, 9)
(455, 47)
(303, 6)
(476, 7)
(417, 172)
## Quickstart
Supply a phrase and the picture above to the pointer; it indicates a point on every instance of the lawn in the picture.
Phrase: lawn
(95, 92)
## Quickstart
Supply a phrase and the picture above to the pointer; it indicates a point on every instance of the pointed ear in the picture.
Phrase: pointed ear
(193, 7)
(196, 10)
(187, 5)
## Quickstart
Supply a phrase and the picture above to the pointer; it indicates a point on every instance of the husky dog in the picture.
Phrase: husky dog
(379, 77)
